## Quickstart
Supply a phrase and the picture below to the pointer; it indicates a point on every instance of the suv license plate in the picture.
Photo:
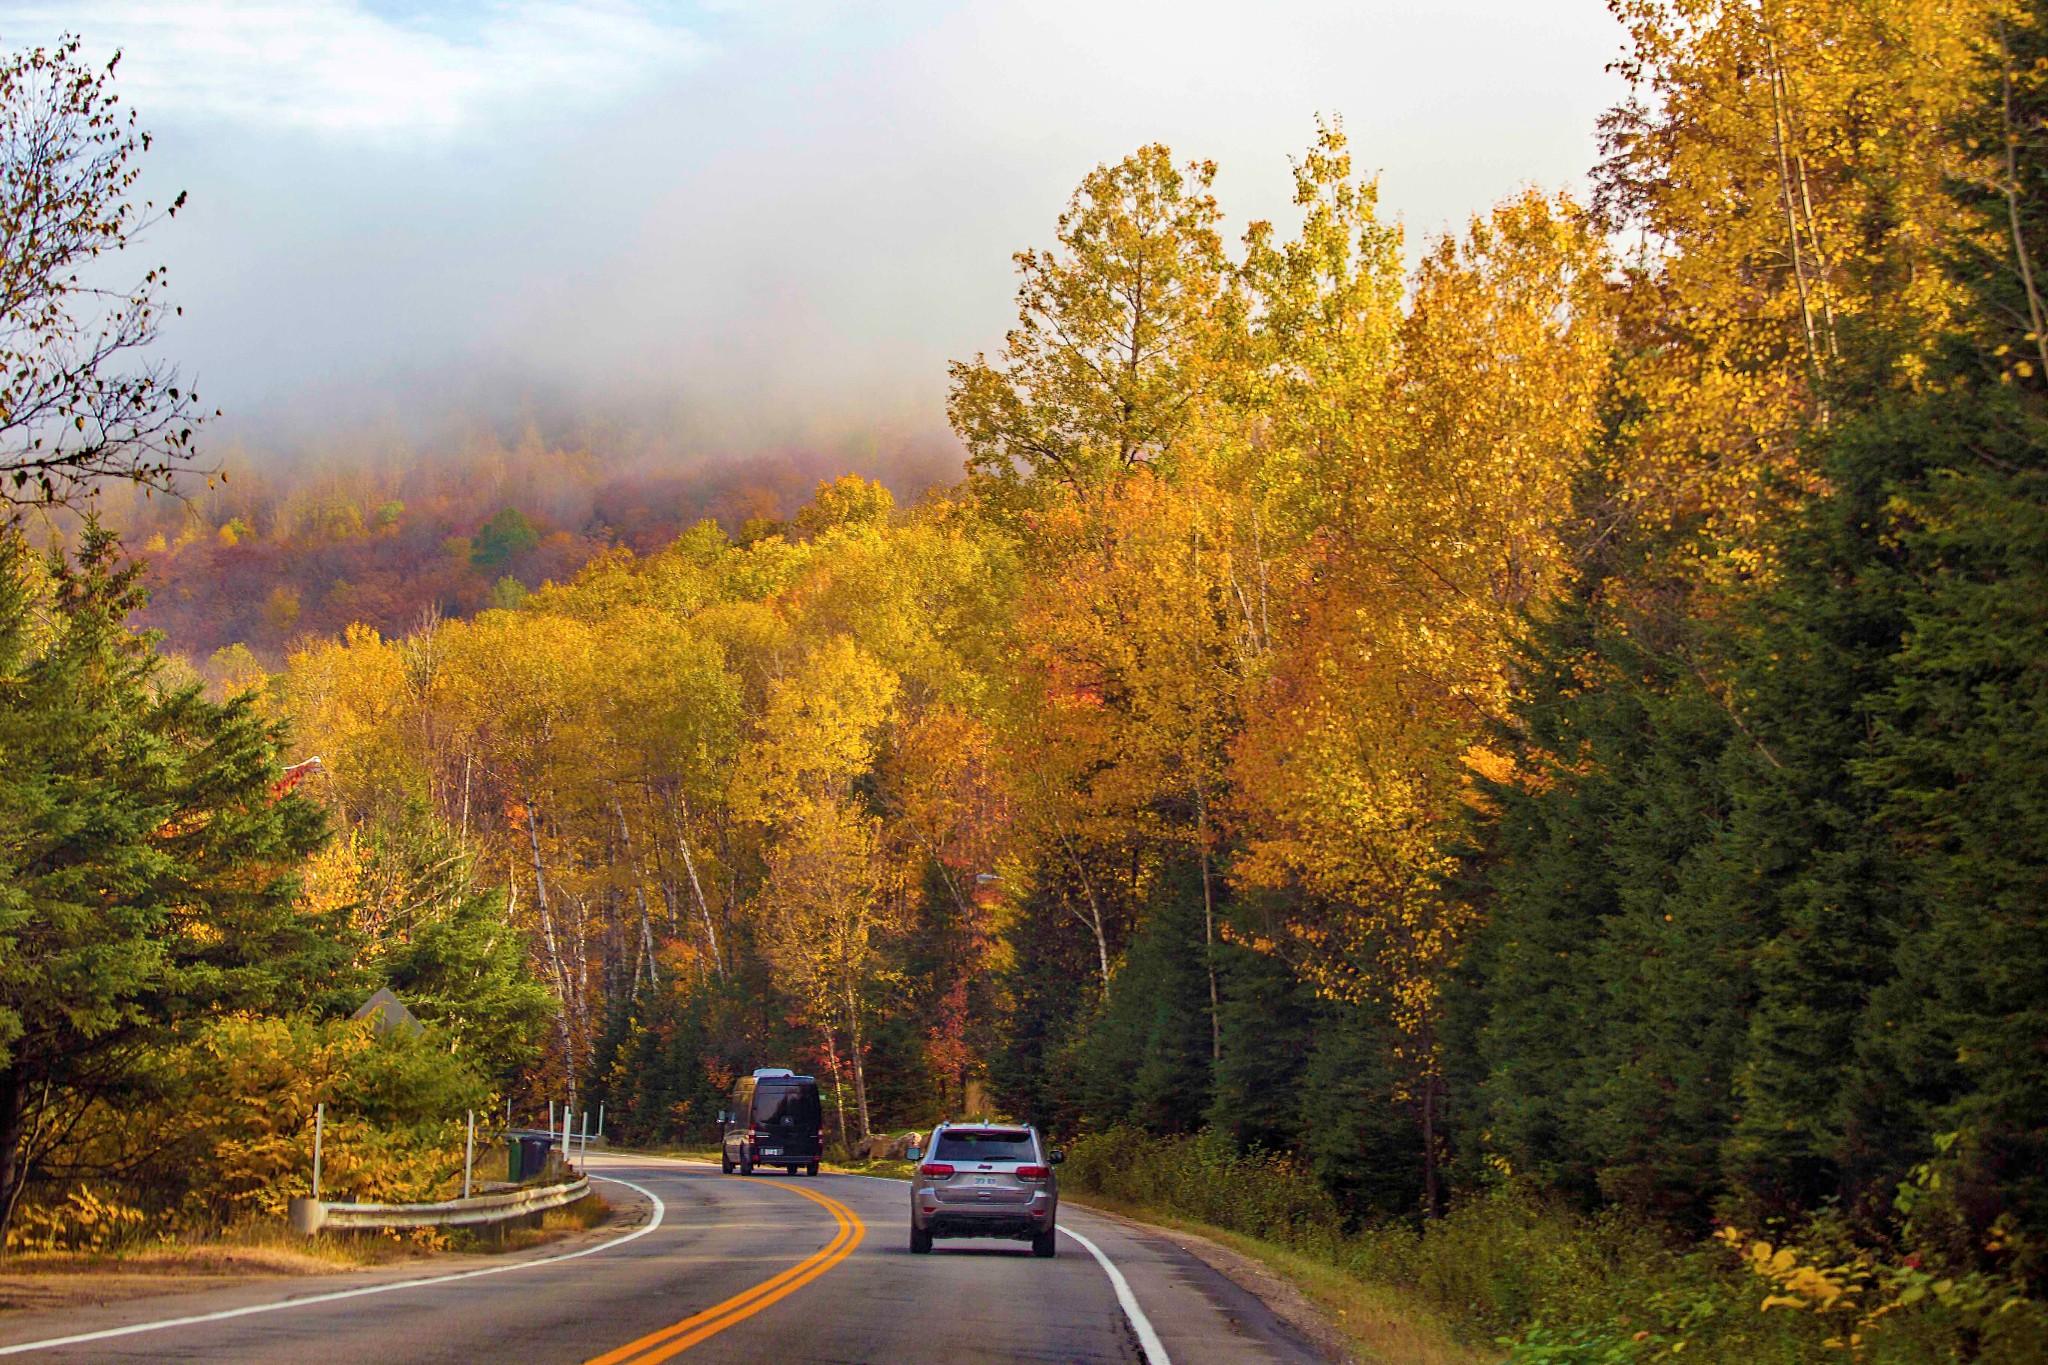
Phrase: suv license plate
(988, 1180)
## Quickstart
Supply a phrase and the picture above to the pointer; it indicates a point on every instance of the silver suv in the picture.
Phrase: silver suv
(985, 1180)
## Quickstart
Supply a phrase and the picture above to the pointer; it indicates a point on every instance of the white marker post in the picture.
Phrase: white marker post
(600, 1120)
(586, 1138)
(319, 1131)
(469, 1155)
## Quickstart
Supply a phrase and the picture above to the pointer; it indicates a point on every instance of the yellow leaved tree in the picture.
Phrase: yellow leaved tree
(831, 902)
(1450, 523)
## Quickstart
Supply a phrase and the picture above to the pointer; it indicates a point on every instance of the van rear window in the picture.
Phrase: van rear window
(984, 1144)
(794, 1105)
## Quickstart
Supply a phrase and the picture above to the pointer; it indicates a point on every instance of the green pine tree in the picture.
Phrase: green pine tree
(448, 949)
(147, 865)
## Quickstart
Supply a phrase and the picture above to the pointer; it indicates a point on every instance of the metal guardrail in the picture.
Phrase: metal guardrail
(309, 1216)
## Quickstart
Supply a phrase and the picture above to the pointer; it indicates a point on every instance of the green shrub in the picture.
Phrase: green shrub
(1204, 1178)
(1554, 1286)
(220, 1131)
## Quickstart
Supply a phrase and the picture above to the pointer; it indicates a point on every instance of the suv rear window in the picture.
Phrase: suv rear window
(794, 1105)
(984, 1144)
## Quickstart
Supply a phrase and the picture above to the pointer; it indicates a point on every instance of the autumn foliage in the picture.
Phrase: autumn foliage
(1263, 707)
(1558, 725)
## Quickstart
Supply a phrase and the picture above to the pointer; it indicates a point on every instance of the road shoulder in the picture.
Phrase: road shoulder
(69, 1286)
(61, 1302)
(1303, 1325)
(1282, 1298)
(1345, 1318)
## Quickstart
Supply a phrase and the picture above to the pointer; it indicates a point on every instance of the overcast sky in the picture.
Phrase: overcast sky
(751, 221)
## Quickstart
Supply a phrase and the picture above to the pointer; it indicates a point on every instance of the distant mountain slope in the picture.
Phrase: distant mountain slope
(279, 551)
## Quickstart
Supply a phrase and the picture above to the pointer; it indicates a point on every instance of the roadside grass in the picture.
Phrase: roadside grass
(673, 1151)
(1383, 1323)
(1548, 1284)
(890, 1168)
(267, 1247)
(586, 1213)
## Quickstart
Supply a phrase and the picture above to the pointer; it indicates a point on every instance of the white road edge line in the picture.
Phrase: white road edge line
(1148, 1340)
(49, 1343)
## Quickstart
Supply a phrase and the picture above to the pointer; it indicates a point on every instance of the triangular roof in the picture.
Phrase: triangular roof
(390, 1013)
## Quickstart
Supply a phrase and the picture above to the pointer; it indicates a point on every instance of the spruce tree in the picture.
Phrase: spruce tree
(148, 866)
(448, 949)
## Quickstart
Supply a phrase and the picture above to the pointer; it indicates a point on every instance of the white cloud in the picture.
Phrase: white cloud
(800, 233)
(335, 66)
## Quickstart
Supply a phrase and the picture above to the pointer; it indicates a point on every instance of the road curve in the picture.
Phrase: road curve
(734, 1269)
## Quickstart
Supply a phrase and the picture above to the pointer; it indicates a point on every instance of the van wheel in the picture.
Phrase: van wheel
(746, 1163)
(792, 1169)
(724, 1164)
(920, 1242)
(1045, 1245)
(811, 1169)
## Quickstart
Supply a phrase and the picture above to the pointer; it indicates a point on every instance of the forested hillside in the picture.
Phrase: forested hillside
(300, 543)
(1561, 711)
(1566, 720)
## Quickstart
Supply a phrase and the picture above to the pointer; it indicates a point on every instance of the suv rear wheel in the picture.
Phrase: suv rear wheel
(921, 1242)
(746, 1162)
(1045, 1244)
(724, 1164)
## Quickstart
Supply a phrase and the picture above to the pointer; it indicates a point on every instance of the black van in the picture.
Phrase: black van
(775, 1120)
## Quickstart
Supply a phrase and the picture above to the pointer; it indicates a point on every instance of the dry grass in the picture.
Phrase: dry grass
(890, 1168)
(266, 1248)
(61, 1279)
(586, 1213)
(1383, 1323)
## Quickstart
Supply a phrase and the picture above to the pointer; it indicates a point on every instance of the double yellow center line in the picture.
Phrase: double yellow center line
(680, 1337)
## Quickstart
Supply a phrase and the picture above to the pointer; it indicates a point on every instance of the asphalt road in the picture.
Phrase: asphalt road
(718, 1268)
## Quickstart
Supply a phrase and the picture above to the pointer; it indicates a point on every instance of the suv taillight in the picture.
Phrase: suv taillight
(1033, 1172)
(935, 1171)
